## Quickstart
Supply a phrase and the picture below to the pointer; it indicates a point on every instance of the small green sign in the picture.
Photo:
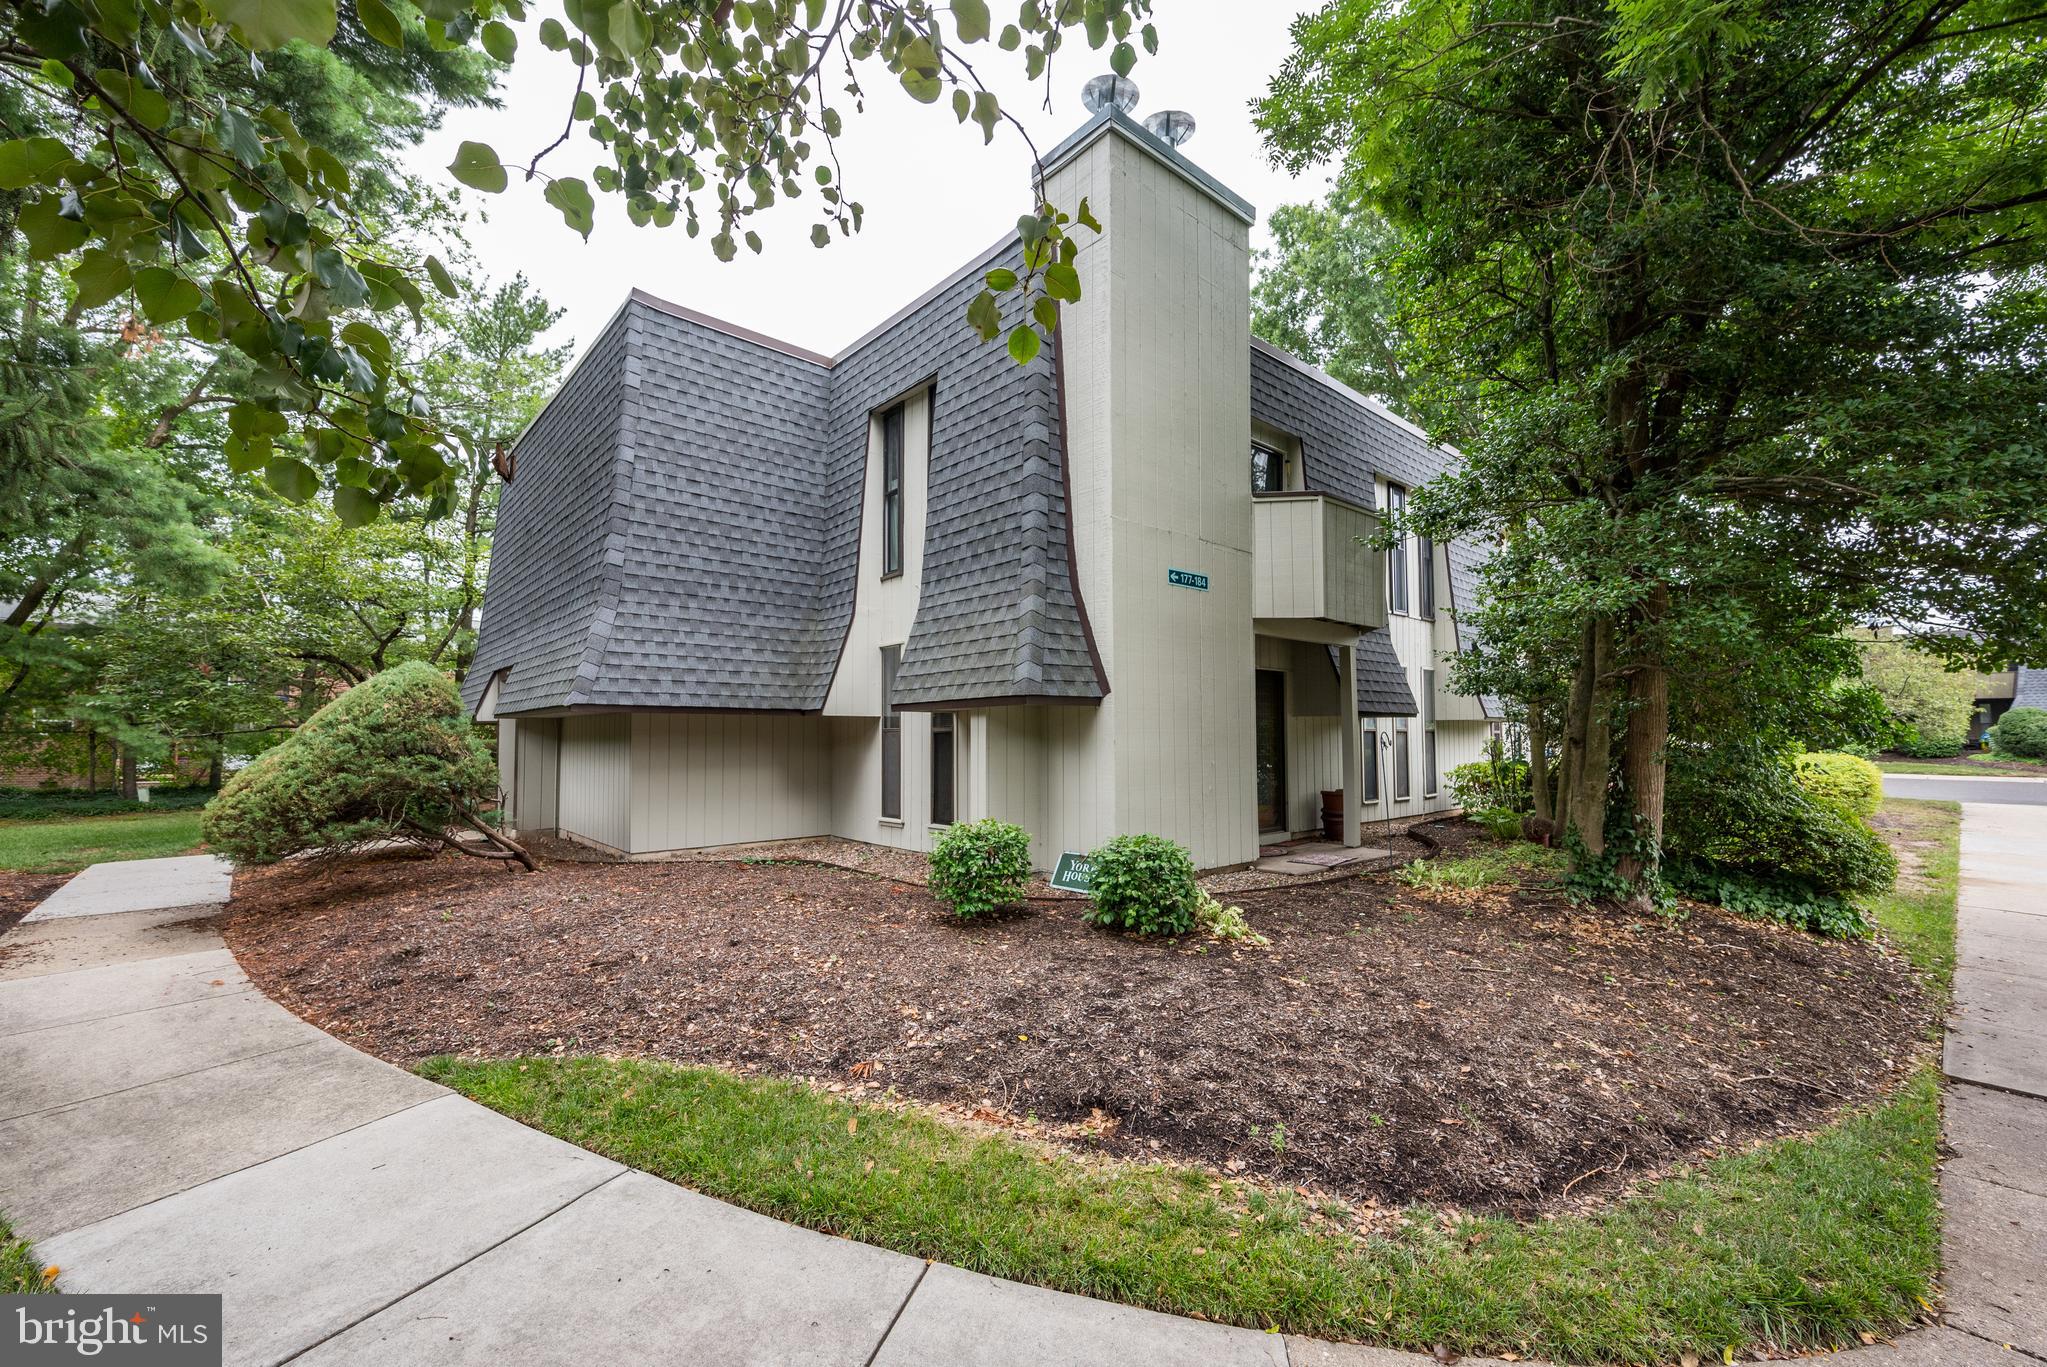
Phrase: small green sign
(1074, 873)
(1187, 579)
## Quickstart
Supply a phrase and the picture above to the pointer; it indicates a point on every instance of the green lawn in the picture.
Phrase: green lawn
(1803, 1243)
(68, 846)
(20, 1272)
(1919, 916)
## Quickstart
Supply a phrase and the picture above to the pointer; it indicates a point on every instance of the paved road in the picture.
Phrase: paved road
(2022, 791)
(165, 1127)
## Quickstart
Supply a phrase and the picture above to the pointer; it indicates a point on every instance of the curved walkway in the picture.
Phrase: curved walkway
(164, 1127)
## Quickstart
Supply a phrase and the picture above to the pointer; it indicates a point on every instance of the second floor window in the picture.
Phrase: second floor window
(1396, 559)
(1425, 575)
(892, 491)
(1268, 470)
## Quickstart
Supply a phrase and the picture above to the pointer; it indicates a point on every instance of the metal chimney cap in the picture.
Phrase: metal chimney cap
(1171, 126)
(1103, 91)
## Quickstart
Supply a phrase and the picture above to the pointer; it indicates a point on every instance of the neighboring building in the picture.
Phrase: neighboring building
(742, 592)
(1997, 694)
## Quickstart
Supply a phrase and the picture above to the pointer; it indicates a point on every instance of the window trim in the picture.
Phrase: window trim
(945, 724)
(1284, 464)
(891, 733)
(1432, 782)
(893, 420)
(1403, 760)
(1425, 578)
(1397, 567)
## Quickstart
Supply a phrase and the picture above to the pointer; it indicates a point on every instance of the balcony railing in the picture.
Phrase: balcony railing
(1307, 563)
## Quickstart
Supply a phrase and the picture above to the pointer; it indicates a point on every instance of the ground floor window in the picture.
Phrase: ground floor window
(1370, 747)
(891, 737)
(1430, 782)
(942, 768)
(1403, 763)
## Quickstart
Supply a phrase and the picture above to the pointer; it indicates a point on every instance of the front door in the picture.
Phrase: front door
(1271, 693)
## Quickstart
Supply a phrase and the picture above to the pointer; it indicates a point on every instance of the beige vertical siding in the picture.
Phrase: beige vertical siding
(596, 767)
(536, 767)
(701, 779)
(884, 610)
(1157, 370)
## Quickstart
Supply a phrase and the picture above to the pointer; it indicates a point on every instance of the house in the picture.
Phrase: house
(743, 592)
(1999, 692)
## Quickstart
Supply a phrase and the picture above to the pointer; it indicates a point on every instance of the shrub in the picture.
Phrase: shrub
(978, 866)
(1501, 823)
(2022, 731)
(1848, 782)
(1930, 747)
(1488, 783)
(1931, 700)
(392, 758)
(1143, 883)
(1224, 923)
(67, 804)
(1741, 830)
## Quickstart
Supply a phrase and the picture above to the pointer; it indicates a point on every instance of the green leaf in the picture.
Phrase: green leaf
(570, 195)
(1085, 217)
(921, 73)
(369, 341)
(292, 478)
(553, 36)
(1046, 311)
(970, 19)
(629, 30)
(1011, 38)
(1062, 282)
(443, 281)
(380, 23)
(50, 234)
(985, 316)
(820, 236)
(1001, 278)
(267, 24)
(987, 109)
(476, 165)
(499, 40)
(30, 161)
(239, 137)
(1023, 343)
(355, 507)
(1123, 60)
(165, 295)
(100, 276)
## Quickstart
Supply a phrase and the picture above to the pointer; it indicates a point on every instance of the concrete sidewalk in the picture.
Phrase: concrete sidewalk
(164, 1127)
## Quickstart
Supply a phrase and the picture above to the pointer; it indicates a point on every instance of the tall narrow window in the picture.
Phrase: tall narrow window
(1429, 781)
(1403, 762)
(1396, 558)
(1370, 749)
(1425, 575)
(1268, 470)
(891, 737)
(942, 768)
(892, 491)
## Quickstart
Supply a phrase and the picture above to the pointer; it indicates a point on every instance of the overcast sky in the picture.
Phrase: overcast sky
(934, 195)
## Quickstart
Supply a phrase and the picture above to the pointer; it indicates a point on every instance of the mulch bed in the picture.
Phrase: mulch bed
(21, 893)
(1502, 1051)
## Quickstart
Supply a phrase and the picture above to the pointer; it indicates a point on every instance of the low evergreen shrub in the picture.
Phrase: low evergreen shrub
(1919, 746)
(979, 866)
(392, 758)
(1847, 781)
(68, 804)
(2023, 732)
(1143, 883)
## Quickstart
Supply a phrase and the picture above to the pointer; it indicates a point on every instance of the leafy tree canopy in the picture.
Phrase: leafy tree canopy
(156, 150)
(1735, 311)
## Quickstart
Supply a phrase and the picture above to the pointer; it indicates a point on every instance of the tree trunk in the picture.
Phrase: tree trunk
(1643, 760)
(92, 760)
(127, 773)
(1585, 803)
(213, 772)
(1538, 764)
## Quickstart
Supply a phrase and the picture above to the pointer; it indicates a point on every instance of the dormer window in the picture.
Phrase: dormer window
(892, 491)
(1268, 469)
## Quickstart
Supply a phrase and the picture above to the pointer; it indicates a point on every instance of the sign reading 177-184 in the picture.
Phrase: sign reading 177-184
(1187, 579)
(1074, 873)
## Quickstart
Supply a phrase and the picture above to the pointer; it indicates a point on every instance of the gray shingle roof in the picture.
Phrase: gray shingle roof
(684, 527)
(1382, 683)
(2030, 690)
